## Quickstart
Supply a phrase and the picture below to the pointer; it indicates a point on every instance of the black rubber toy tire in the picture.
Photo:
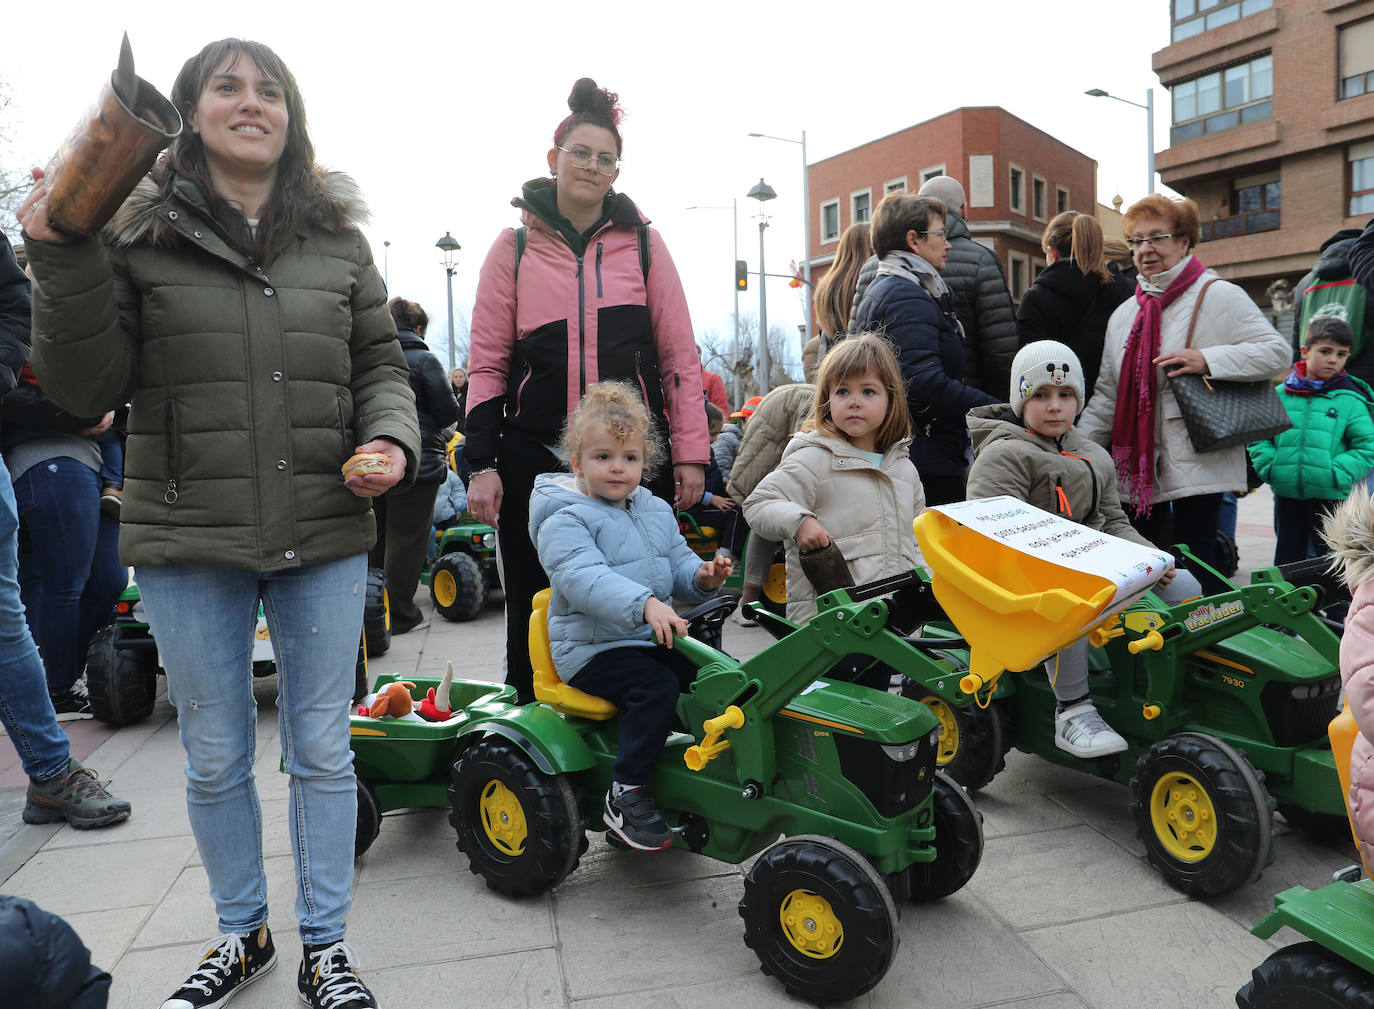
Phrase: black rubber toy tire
(360, 672)
(122, 682)
(858, 896)
(457, 586)
(984, 736)
(369, 819)
(958, 842)
(550, 804)
(377, 613)
(1307, 976)
(1243, 807)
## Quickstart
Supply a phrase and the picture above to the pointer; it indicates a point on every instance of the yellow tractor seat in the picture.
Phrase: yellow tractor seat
(548, 687)
(1342, 732)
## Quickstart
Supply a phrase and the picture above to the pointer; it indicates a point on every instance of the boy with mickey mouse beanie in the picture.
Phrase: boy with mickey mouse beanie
(1028, 449)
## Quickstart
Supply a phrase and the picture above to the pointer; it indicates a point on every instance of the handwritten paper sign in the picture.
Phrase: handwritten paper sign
(1132, 568)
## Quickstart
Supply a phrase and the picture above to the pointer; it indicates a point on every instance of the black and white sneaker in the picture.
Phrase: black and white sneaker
(72, 705)
(634, 819)
(328, 979)
(230, 962)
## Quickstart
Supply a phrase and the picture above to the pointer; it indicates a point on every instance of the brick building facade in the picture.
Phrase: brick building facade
(1272, 128)
(1016, 178)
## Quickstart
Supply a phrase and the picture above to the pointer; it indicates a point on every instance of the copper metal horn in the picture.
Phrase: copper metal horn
(112, 147)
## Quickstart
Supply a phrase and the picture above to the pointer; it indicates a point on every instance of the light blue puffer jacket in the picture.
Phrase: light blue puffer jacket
(603, 563)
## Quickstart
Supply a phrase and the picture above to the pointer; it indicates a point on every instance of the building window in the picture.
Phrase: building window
(1020, 270)
(1223, 99)
(860, 205)
(1361, 158)
(830, 221)
(1255, 202)
(1038, 198)
(894, 186)
(1193, 17)
(1061, 199)
(933, 172)
(1018, 190)
(1357, 58)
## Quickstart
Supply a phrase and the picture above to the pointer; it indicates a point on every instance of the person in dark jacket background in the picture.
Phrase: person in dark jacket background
(910, 304)
(1075, 295)
(59, 787)
(405, 514)
(982, 301)
(1334, 263)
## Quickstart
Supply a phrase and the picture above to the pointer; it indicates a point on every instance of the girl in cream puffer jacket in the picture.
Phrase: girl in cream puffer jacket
(862, 489)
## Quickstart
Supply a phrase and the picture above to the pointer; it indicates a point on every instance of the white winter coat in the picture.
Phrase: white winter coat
(1238, 343)
(868, 510)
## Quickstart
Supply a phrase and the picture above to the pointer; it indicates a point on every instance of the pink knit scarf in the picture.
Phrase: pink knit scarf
(1133, 426)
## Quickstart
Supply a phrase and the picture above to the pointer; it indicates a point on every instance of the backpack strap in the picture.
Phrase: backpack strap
(520, 240)
(642, 231)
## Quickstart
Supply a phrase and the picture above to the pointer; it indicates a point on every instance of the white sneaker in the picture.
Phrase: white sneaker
(1081, 730)
(742, 618)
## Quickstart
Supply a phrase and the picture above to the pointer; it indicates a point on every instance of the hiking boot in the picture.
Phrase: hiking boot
(1080, 730)
(77, 796)
(328, 979)
(230, 962)
(71, 705)
(634, 819)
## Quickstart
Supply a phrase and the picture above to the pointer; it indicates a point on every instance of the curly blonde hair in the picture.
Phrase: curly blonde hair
(618, 408)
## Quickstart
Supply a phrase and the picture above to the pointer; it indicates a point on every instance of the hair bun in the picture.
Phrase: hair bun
(597, 103)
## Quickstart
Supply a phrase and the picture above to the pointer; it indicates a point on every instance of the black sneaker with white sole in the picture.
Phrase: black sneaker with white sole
(230, 962)
(328, 979)
(71, 706)
(634, 819)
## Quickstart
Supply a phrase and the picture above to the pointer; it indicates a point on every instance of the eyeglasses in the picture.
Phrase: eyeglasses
(1154, 240)
(582, 157)
(940, 233)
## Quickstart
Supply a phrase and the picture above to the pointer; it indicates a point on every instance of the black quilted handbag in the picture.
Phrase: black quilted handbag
(1220, 414)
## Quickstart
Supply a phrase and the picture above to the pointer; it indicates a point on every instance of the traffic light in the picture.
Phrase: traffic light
(741, 275)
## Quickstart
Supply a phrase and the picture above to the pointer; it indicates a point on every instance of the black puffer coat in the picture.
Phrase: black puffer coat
(1067, 305)
(434, 403)
(43, 961)
(14, 317)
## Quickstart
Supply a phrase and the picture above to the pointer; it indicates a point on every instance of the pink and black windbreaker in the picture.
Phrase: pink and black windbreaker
(581, 311)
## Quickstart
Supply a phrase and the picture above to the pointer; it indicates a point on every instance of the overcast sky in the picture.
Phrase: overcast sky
(442, 110)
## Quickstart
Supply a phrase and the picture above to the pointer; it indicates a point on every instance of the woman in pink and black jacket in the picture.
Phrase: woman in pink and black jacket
(584, 291)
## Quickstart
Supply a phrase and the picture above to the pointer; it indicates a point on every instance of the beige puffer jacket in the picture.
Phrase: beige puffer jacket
(1238, 343)
(779, 416)
(868, 510)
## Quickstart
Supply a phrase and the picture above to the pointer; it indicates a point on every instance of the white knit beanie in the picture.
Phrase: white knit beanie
(1045, 362)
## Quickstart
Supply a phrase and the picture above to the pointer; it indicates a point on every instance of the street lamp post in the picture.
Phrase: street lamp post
(734, 348)
(763, 192)
(448, 257)
(1149, 108)
(806, 222)
(386, 264)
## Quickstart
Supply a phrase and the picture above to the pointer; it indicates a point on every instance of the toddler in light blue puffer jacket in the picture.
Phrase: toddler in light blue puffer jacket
(614, 557)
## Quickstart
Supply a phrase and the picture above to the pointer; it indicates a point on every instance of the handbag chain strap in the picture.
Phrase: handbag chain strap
(1197, 308)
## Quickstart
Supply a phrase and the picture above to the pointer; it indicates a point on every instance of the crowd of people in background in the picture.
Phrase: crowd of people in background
(212, 466)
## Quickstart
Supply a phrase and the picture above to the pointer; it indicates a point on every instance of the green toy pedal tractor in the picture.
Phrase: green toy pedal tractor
(1223, 701)
(1334, 969)
(705, 541)
(464, 573)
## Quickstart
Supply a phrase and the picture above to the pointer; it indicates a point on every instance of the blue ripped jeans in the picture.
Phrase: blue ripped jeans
(203, 618)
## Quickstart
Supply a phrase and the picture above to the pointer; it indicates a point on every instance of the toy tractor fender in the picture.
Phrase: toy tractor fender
(552, 742)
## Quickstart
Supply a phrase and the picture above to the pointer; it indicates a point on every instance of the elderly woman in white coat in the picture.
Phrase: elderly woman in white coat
(1172, 492)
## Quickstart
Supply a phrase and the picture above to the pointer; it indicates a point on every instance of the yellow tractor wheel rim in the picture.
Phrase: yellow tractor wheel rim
(445, 587)
(811, 925)
(503, 819)
(775, 588)
(386, 608)
(949, 729)
(1184, 818)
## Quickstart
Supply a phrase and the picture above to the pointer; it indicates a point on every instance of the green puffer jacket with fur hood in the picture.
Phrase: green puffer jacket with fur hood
(249, 385)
